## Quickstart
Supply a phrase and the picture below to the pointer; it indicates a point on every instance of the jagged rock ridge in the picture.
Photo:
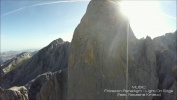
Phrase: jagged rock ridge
(166, 54)
(54, 57)
(9, 68)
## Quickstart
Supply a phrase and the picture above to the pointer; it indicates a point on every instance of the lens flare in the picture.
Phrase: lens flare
(146, 18)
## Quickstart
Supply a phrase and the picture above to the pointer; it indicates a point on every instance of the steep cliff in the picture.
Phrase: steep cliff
(105, 55)
(166, 54)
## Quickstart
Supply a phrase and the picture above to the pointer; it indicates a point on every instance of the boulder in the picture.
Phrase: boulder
(14, 93)
(35, 85)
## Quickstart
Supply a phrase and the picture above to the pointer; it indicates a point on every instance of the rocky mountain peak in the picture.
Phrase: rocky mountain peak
(101, 45)
(57, 41)
(60, 40)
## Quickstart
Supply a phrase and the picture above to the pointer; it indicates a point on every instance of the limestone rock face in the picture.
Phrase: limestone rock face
(142, 66)
(102, 47)
(52, 58)
(14, 93)
(55, 88)
(166, 54)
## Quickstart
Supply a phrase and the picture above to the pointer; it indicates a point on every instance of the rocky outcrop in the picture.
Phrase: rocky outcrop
(55, 88)
(105, 55)
(14, 93)
(166, 54)
(35, 85)
(168, 41)
(142, 66)
(52, 58)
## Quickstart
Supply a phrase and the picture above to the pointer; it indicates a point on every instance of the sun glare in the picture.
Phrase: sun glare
(146, 18)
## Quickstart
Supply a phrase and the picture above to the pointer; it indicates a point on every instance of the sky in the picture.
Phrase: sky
(33, 24)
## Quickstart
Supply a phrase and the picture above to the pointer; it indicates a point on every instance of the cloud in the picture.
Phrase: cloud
(169, 16)
(41, 4)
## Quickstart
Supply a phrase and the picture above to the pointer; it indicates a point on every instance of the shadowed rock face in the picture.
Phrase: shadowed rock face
(1, 61)
(166, 54)
(55, 88)
(52, 58)
(98, 56)
(11, 67)
(35, 85)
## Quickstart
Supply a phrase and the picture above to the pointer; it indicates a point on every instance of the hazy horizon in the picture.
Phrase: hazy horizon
(34, 24)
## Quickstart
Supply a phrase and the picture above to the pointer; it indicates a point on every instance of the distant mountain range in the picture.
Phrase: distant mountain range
(8, 55)
(4, 56)
(11, 64)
